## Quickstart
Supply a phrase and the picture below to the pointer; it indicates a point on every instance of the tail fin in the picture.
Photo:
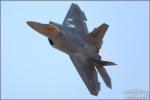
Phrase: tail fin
(96, 36)
(102, 71)
(103, 63)
(106, 63)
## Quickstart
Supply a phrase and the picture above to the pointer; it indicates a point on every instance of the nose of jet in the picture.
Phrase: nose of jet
(32, 24)
(44, 29)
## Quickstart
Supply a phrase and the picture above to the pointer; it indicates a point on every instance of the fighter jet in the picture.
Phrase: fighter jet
(72, 37)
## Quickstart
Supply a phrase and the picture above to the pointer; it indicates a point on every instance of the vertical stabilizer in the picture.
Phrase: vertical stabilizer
(96, 36)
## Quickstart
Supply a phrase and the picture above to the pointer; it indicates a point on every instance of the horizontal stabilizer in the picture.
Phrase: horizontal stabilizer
(102, 71)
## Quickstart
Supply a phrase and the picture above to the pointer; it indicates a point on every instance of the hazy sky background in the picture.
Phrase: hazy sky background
(32, 69)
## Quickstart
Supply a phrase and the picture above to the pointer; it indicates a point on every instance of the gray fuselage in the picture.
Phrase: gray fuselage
(72, 43)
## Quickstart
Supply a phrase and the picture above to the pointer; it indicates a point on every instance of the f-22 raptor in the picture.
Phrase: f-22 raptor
(72, 37)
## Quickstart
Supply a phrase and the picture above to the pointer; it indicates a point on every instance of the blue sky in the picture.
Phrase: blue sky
(32, 69)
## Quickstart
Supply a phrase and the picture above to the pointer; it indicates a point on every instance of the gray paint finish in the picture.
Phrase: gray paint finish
(72, 37)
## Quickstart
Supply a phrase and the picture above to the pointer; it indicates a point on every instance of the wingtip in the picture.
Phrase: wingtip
(95, 93)
(73, 4)
(96, 90)
(104, 24)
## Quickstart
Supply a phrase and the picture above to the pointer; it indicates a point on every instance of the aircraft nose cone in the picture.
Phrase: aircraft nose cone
(34, 25)
(31, 23)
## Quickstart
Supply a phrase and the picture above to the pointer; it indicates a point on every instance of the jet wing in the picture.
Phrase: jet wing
(87, 72)
(76, 18)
